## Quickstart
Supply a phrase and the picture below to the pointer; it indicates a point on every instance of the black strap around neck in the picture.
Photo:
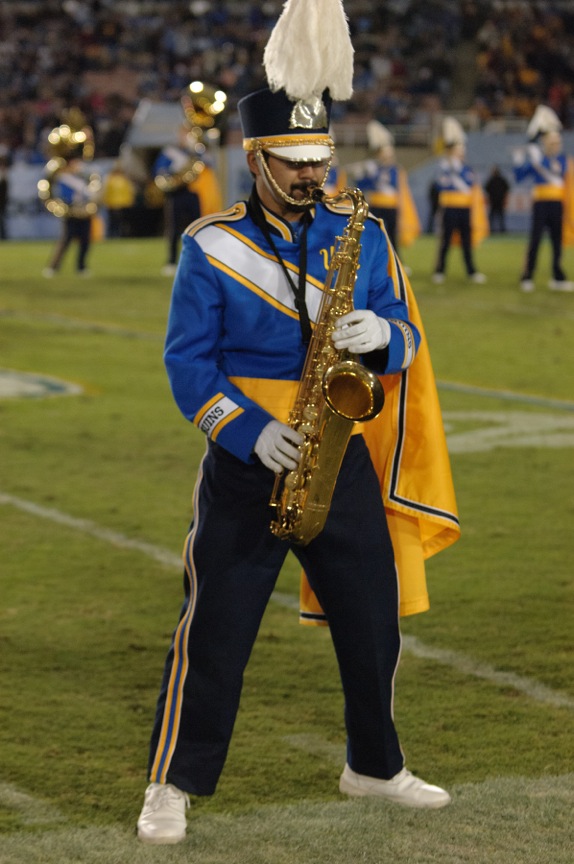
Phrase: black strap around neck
(256, 212)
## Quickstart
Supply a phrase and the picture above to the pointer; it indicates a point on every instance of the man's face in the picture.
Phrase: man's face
(387, 154)
(552, 144)
(295, 179)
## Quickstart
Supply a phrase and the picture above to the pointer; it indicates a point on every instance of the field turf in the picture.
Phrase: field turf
(95, 500)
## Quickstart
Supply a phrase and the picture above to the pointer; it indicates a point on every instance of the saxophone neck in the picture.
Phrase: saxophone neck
(355, 195)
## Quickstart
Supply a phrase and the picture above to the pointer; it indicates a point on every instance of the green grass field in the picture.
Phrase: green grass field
(95, 496)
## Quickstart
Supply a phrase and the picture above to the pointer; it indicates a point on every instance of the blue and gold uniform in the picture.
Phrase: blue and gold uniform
(186, 201)
(548, 174)
(380, 183)
(234, 351)
(456, 183)
(245, 298)
(234, 354)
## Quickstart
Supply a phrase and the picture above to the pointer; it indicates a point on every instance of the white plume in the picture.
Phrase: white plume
(310, 50)
(543, 120)
(378, 135)
(452, 131)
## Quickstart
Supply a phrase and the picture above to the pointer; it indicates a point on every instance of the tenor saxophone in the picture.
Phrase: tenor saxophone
(334, 393)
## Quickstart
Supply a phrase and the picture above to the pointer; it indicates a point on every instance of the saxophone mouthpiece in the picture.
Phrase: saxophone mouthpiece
(316, 193)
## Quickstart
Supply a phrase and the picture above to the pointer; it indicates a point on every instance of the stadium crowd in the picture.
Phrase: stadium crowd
(525, 56)
(106, 55)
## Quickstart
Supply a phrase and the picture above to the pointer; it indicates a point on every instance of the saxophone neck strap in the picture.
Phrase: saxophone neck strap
(256, 212)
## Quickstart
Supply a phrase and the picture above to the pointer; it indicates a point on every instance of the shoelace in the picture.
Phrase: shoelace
(167, 795)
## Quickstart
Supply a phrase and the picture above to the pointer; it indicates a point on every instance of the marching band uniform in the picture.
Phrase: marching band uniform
(546, 165)
(266, 332)
(186, 202)
(386, 188)
(69, 189)
(248, 284)
(458, 189)
(75, 188)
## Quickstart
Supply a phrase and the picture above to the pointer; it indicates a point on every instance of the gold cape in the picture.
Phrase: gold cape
(408, 447)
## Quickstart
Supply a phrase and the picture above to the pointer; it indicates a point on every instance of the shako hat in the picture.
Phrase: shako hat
(452, 132)
(297, 131)
(544, 120)
(378, 136)
(308, 62)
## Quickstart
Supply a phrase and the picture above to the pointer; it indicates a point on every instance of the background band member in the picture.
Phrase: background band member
(546, 165)
(386, 187)
(70, 189)
(497, 188)
(457, 190)
(184, 173)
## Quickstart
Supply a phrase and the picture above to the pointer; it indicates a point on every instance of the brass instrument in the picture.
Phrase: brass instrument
(202, 106)
(334, 393)
(73, 139)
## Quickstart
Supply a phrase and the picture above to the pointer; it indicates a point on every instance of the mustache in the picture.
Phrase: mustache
(304, 186)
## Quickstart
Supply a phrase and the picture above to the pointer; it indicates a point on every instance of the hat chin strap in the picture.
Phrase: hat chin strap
(274, 188)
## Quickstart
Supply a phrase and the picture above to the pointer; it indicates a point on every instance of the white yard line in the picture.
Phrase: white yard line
(456, 660)
(506, 395)
(86, 526)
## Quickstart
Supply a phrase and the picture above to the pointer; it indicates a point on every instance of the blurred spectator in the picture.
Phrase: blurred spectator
(105, 56)
(118, 196)
(524, 57)
(497, 188)
(4, 194)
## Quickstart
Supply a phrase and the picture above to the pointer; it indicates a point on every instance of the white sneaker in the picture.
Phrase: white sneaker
(479, 278)
(404, 788)
(527, 285)
(48, 272)
(162, 819)
(438, 278)
(561, 285)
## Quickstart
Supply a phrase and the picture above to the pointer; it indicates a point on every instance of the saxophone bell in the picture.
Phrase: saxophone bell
(352, 391)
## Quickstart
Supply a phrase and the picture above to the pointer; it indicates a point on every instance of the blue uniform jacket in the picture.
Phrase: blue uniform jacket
(548, 176)
(382, 179)
(234, 349)
(73, 189)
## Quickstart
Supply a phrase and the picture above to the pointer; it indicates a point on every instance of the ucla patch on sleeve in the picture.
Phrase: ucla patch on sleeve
(218, 412)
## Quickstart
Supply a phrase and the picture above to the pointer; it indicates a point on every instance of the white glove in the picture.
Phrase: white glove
(518, 156)
(361, 331)
(534, 154)
(277, 446)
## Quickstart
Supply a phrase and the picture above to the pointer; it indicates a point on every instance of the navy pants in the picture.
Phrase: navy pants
(181, 209)
(232, 562)
(389, 215)
(546, 215)
(455, 219)
(74, 229)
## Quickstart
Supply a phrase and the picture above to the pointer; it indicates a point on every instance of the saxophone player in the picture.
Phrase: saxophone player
(244, 303)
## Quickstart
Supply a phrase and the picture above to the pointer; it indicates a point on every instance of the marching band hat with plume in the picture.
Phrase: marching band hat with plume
(543, 120)
(378, 136)
(452, 132)
(308, 62)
